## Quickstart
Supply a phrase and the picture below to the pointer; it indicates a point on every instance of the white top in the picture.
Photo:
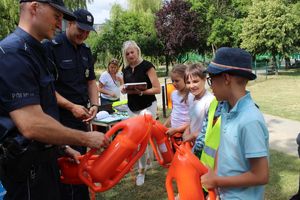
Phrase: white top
(180, 110)
(110, 85)
(197, 111)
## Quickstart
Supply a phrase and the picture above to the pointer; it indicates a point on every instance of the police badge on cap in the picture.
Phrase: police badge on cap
(84, 19)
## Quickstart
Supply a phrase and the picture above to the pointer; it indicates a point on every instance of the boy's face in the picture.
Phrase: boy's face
(196, 85)
(218, 85)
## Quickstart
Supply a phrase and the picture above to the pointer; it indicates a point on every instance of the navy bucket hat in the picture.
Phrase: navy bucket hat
(59, 5)
(84, 19)
(233, 61)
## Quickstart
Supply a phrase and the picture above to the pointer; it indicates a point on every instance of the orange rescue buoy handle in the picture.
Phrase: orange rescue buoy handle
(95, 186)
(198, 165)
(158, 134)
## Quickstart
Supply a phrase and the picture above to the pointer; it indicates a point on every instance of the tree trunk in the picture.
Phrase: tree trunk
(287, 62)
(167, 64)
(274, 63)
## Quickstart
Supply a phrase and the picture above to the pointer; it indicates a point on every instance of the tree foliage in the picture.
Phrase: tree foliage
(178, 28)
(223, 20)
(127, 25)
(75, 4)
(9, 16)
(272, 26)
(144, 5)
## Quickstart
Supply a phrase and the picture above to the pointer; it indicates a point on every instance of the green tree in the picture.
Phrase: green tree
(178, 28)
(223, 20)
(9, 16)
(75, 4)
(144, 5)
(271, 27)
(126, 25)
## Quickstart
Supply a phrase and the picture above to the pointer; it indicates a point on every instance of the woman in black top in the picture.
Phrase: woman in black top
(139, 70)
(140, 101)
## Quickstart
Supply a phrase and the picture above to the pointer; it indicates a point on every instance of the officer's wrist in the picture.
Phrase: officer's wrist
(63, 148)
(95, 106)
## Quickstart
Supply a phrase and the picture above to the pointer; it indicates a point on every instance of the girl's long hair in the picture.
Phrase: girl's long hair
(180, 70)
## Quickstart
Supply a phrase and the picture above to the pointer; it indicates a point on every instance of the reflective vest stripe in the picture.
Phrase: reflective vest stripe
(210, 151)
(212, 137)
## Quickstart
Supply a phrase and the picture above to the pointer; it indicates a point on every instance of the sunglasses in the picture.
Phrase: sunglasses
(114, 61)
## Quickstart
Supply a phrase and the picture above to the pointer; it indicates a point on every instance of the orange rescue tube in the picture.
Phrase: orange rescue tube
(176, 139)
(115, 161)
(186, 169)
(69, 169)
(161, 144)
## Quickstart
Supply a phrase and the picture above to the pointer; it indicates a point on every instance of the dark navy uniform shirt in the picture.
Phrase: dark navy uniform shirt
(135, 101)
(74, 67)
(24, 76)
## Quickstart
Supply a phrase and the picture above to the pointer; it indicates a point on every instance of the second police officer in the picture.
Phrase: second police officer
(76, 88)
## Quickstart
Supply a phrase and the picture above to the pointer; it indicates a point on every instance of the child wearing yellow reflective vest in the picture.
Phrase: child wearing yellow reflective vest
(207, 142)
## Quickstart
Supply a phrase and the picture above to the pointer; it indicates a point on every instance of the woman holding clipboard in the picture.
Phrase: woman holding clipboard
(141, 85)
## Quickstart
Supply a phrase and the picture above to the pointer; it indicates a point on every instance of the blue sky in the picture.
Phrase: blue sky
(100, 9)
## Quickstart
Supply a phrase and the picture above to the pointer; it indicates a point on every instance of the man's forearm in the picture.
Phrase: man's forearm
(36, 125)
(63, 102)
(93, 92)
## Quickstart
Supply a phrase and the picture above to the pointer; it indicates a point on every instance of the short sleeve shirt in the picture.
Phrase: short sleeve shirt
(244, 135)
(74, 68)
(24, 75)
(180, 110)
(110, 85)
(139, 74)
(197, 111)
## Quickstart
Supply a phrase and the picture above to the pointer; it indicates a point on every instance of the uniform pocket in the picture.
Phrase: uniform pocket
(67, 71)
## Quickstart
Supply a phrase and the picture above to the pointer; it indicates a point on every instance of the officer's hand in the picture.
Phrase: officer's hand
(80, 112)
(97, 140)
(209, 180)
(92, 112)
(72, 153)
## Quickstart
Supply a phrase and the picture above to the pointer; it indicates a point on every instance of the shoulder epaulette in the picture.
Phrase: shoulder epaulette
(56, 42)
(86, 46)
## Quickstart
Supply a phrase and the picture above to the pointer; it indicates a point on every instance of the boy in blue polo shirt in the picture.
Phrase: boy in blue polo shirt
(242, 160)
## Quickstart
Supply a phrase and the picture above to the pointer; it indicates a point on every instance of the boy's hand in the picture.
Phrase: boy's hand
(171, 131)
(208, 180)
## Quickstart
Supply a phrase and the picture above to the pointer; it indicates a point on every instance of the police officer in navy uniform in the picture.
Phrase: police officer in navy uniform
(76, 88)
(27, 97)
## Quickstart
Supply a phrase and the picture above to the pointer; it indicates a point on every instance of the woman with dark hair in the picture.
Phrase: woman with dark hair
(109, 83)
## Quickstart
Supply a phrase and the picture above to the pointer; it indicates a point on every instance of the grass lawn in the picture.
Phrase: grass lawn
(282, 185)
(279, 96)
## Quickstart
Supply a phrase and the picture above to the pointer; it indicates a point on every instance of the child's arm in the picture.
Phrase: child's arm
(258, 175)
(167, 122)
(180, 129)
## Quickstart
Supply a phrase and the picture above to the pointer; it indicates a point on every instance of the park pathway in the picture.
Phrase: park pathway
(283, 134)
